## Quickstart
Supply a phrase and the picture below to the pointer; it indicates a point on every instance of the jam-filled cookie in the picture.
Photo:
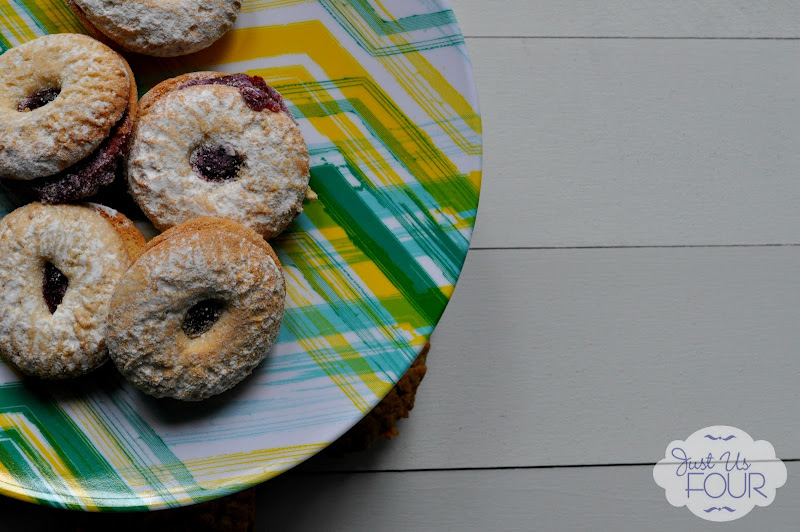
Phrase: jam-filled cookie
(198, 311)
(217, 145)
(163, 29)
(59, 265)
(67, 108)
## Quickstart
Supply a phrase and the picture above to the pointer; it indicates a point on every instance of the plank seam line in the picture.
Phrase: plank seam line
(642, 246)
(630, 38)
(491, 468)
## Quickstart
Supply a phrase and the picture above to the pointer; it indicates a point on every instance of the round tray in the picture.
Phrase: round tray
(385, 97)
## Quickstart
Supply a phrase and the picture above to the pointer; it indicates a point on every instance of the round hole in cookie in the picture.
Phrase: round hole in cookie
(38, 99)
(216, 163)
(202, 316)
(54, 286)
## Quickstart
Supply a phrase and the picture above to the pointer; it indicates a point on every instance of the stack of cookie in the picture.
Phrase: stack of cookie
(216, 161)
(67, 107)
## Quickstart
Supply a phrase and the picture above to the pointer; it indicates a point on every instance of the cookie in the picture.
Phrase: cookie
(59, 265)
(197, 311)
(163, 29)
(89, 175)
(132, 239)
(60, 97)
(217, 145)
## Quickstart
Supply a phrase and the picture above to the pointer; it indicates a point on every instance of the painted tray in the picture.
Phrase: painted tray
(384, 93)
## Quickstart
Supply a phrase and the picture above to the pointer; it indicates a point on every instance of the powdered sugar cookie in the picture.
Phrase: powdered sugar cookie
(164, 29)
(224, 146)
(59, 265)
(198, 311)
(67, 109)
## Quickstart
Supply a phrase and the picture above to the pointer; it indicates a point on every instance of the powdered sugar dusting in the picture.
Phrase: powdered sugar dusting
(167, 28)
(94, 89)
(146, 336)
(257, 95)
(89, 252)
(84, 178)
(270, 185)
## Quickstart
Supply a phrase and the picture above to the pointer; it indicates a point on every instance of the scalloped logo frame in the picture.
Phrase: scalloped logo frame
(720, 473)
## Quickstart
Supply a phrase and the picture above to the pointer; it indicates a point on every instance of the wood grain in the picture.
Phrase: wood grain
(603, 356)
(632, 143)
(607, 498)
(629, 18)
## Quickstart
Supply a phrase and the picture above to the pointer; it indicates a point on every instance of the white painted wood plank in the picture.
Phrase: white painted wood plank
(608, 498)
(604, 356)
(629, 142)
(628, 18)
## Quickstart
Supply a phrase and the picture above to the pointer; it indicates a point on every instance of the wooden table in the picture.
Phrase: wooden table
(633, 277)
